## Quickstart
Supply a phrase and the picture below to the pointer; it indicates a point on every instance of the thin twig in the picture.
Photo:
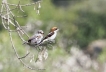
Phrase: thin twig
(24, 5)
(24, 56)
(17, 53)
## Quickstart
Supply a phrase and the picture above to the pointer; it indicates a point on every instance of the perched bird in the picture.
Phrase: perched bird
(51, 36)
(36, 38)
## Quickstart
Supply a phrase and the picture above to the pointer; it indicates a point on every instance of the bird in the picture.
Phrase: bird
(51, 35)
(36, 38)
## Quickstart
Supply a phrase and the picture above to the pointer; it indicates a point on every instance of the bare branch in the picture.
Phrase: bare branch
(8, 18)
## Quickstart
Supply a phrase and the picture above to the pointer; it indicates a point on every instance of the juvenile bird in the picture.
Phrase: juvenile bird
(36, 38)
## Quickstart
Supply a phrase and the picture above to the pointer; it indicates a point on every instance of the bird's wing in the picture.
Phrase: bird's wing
(32, 38)
(49, 35)
(38, 37)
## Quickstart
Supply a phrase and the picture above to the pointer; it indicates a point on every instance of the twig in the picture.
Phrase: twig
(17, 53)
(24, 5)
(24, 56)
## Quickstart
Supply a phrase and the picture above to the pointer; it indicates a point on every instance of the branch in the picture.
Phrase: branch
(8, 18)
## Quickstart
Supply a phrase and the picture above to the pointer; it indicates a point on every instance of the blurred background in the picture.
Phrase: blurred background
(80, 43)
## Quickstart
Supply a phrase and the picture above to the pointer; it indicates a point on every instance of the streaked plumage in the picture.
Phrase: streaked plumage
(51, 36)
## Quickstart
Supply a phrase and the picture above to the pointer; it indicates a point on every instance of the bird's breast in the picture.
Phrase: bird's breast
(53, 36)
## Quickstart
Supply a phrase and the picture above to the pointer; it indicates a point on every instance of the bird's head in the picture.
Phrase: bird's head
(40, 32)
(54, 29)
